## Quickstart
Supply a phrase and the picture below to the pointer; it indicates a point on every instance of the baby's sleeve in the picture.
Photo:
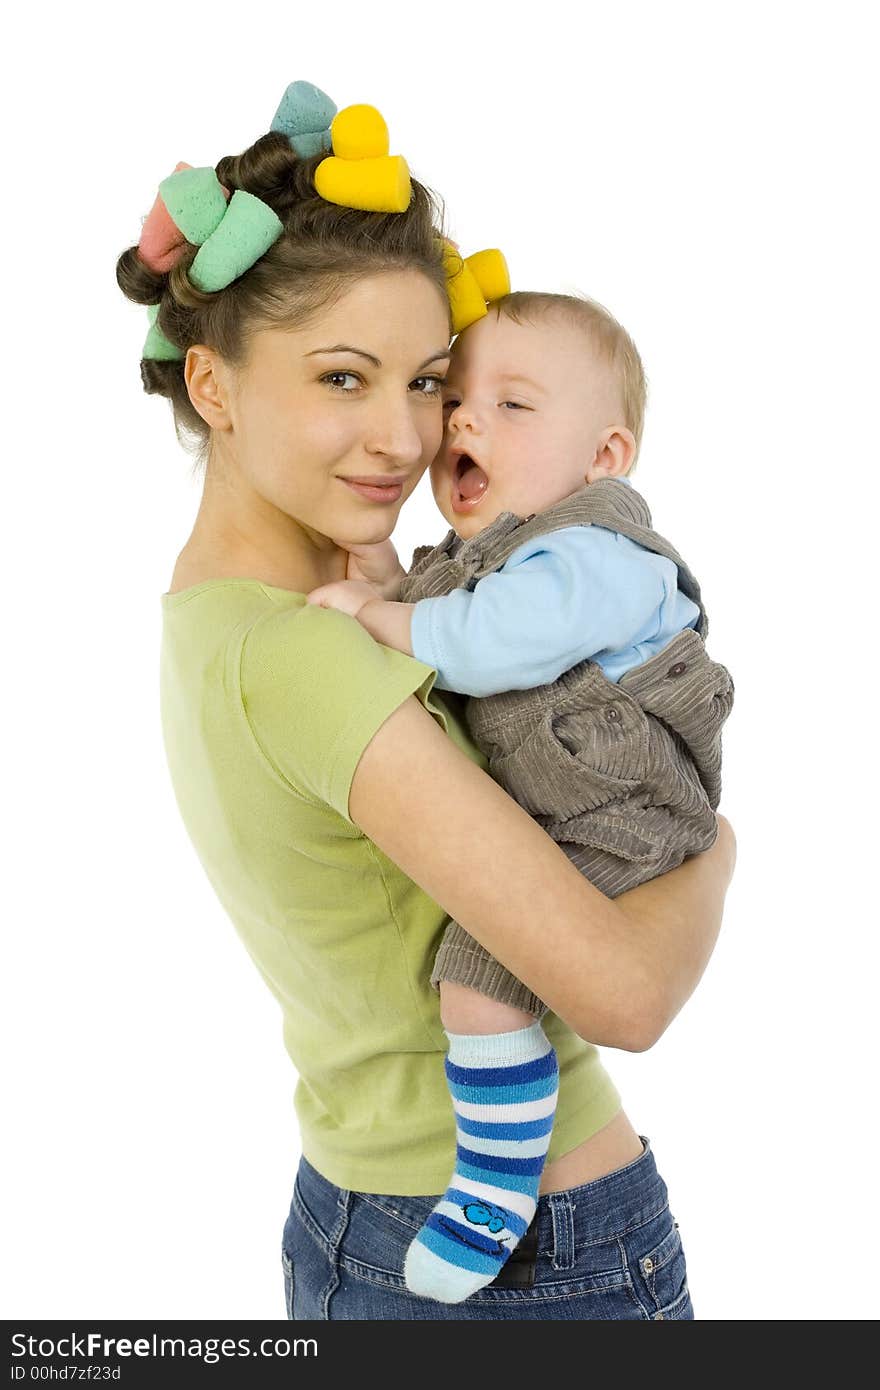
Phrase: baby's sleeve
(557, 600)
(315, 688)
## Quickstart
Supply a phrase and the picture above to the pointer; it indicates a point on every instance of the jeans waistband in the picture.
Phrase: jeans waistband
(607, 1206)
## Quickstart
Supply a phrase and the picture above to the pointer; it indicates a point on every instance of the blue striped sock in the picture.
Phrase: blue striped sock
(504, 1088)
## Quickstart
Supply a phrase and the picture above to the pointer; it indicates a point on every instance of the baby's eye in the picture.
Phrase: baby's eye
(516, 405)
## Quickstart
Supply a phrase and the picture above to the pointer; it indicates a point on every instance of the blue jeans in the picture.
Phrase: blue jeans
(609, 1249)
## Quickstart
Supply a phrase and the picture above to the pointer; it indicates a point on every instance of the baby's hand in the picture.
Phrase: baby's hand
(378, 565)
(345, 595)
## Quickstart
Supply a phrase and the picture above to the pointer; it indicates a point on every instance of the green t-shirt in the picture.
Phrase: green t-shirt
(267, 705)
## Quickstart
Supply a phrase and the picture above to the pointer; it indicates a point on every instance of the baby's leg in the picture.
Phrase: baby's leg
(463, 1010)
(504, 1079)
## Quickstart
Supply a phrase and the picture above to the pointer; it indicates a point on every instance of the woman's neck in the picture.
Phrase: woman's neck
(245, 537)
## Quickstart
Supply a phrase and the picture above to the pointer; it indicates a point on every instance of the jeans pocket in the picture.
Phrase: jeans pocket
(657, 1263)
(289, 1282)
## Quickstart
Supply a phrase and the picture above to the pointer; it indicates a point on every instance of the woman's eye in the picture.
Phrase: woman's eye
(332, 377)
(429, 385)
(426, 385)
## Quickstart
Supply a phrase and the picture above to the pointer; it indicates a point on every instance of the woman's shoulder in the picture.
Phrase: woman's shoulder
(315, 687)
(318, 644)
(257, 633)
(310, 684)
(321, 664)
(283, 644)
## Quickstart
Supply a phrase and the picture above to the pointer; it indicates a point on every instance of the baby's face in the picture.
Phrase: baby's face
(524, 406)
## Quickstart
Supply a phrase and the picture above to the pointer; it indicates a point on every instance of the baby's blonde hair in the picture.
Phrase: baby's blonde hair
(608, 337)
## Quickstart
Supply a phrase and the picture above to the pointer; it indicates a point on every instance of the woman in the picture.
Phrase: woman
(338, 806)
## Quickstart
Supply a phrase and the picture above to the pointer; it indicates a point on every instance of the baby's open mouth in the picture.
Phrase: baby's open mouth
(469, 484)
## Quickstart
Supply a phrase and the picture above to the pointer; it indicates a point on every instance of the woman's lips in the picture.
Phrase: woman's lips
(374, 493)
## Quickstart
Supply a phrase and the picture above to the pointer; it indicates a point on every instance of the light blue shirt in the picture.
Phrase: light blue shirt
(579, 592)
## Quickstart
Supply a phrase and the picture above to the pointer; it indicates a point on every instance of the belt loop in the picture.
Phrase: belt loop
(343, 1202)
(562, 1211)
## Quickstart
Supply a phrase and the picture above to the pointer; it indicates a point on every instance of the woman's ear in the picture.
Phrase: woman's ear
(207, 383)
(615, 451)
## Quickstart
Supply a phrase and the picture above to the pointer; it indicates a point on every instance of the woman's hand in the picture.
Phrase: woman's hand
(377, 565)
(345, 595)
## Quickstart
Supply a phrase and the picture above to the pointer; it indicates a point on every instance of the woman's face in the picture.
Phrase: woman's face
(353, 395)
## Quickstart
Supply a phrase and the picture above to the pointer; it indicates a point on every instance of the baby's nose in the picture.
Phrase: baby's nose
(464, 416)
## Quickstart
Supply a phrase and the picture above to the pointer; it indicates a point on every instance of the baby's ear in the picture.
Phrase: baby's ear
(615, 451)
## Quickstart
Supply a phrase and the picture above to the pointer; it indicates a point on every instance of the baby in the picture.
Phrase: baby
(577, 632)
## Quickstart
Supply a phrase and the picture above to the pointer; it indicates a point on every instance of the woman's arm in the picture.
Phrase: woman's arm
(617, 971)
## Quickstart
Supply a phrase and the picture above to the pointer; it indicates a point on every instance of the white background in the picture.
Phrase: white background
(706, 171)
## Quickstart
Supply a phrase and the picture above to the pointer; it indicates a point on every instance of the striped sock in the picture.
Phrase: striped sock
(504, 1088)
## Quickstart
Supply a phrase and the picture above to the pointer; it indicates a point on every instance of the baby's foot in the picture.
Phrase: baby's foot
(504, 1088)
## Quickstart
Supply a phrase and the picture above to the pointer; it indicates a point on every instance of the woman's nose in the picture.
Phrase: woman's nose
(394, 434)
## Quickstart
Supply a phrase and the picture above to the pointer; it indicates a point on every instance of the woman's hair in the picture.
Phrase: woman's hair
(322, 251)
(610, 340)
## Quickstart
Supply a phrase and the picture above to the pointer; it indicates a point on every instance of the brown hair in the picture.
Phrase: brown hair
(608, 337)
(321, 252)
